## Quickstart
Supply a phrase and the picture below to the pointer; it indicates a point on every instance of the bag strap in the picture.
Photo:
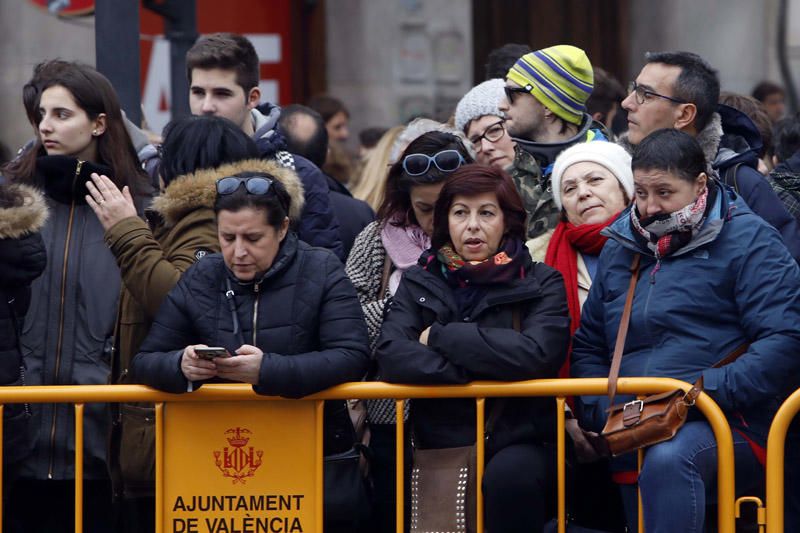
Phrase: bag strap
(735, 170)
(387, 272)
(616, 360)
(697, 387)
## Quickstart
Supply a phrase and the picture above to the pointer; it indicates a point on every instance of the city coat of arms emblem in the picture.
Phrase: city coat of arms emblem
(238, 461)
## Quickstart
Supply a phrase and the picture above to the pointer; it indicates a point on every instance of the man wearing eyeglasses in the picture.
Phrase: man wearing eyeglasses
(680, 90)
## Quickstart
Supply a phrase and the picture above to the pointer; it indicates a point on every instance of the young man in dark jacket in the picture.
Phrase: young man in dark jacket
(680, 90)
(223, 81)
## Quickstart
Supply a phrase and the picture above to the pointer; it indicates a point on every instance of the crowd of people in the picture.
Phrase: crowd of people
(498, 245)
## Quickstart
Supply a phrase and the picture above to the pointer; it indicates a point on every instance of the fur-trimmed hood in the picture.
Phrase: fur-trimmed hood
(20, 220)
(190, 191)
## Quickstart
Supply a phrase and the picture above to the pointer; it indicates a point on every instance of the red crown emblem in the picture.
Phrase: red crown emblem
(240, 461)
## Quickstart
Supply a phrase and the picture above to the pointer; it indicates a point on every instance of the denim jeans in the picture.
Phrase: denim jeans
(679, 477)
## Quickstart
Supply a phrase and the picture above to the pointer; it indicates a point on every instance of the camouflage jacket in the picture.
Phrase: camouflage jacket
(537, 196)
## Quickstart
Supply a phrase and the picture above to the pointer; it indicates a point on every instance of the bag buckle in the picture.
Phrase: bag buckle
(631, 412)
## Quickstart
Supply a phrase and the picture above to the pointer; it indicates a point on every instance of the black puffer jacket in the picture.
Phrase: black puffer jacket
(309, 323)
(23, 259)
(483, 346)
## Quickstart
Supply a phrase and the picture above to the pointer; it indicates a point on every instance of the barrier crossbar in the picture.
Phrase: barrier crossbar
(559, 389)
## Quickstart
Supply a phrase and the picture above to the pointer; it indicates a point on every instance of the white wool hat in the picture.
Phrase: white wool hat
(481, 100)
(610, 155)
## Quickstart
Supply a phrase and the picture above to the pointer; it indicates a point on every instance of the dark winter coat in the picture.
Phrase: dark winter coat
(352, 214)
(309, 323)
(785, 181)
(318, 225)
(734, 283)
(482, 346)
(23, 260)
(68, 332)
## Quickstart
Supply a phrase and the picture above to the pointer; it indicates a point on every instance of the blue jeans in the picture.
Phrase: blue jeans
(679, 477)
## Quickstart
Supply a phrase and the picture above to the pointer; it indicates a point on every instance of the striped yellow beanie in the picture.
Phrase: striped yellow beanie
(560, 77)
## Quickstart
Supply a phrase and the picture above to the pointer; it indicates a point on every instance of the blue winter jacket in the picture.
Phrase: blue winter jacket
(734, 283)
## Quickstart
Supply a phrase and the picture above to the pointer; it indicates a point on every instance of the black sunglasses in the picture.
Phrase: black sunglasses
(445, 161)
(512, 91)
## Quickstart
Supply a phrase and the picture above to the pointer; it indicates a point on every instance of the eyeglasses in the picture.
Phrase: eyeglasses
(512, 91)
(492, 134)
(445, 161)
(643, 95)
(254, 185)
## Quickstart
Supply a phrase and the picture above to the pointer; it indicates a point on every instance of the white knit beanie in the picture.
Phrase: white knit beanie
(610, 155)
(481, 100)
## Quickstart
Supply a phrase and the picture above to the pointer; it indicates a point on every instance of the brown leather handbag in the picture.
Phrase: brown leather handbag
(655, 418)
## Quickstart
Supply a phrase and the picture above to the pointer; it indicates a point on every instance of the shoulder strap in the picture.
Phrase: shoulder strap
(735, 184)
(387, 272)
(616, 361)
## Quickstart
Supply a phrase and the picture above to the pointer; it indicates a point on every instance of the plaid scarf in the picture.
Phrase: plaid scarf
(665, 234)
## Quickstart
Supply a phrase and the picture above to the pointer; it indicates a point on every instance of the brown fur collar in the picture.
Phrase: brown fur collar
(22, 219)
(190, 191)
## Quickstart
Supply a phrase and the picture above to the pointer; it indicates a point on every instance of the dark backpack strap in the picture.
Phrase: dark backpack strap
(730, 177)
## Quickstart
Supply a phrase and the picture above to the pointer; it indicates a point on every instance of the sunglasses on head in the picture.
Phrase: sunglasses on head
(445, 161)
(255, 185)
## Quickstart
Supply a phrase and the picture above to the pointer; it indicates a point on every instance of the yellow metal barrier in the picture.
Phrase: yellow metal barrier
(776, 448)
(557, 388)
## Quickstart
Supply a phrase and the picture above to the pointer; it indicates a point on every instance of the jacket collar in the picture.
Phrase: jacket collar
(27, 213)
(286, 254)
(64, 177)
(546, 153)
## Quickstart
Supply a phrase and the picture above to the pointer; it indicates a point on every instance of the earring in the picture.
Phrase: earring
(94, 132)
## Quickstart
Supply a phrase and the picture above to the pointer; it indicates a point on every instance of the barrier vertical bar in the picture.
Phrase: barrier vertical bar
(560, 466)
(319, 458)
(159, 451)
(776, 449)
(1, 467)
(400, 471)
(640, 514)
(78, 468)
(480, 452)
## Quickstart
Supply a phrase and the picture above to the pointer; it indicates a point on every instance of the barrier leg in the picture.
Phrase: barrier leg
(78, 467)
(319, 458)
(159, 451)
(480, 452)
(400, 470)
(561, 466)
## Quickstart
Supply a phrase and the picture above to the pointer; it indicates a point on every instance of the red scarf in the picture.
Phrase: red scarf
(561, 255)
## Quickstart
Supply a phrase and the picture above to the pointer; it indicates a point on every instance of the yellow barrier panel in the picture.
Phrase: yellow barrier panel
(776, 449)
(557, 388)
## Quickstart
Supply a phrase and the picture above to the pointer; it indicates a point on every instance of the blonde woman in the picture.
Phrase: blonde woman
(371, 182)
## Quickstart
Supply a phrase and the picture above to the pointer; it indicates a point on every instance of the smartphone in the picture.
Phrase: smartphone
(211, 352)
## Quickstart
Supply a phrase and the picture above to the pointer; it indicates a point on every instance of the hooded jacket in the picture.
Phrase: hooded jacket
(24, 259)
(733, 283)
(482, 346)
(181, 229)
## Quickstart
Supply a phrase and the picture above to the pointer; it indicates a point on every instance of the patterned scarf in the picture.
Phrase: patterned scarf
(507, 264)
(668, 233)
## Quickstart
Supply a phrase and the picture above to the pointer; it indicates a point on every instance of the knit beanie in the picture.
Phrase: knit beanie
(481, 100)
(559, 77)
(610, 155)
